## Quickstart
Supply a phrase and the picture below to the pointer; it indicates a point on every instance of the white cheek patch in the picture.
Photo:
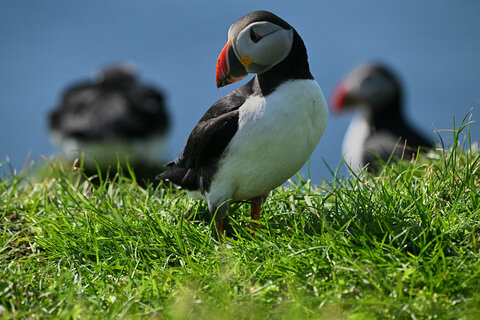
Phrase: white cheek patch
(272, 48)
(261, 28)
(230, 32)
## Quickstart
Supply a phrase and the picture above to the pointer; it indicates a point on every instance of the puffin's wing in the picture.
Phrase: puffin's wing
(196, 164)
(383, 145)
(92, 112)
(416, 138)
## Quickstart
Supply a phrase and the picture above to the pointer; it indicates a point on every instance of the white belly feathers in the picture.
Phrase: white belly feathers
(276, 136)
(355, 137)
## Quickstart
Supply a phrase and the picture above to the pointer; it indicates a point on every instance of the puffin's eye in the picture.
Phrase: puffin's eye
(255, 37)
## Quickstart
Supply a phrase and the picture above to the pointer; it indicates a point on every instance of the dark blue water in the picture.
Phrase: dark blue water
(433, 45)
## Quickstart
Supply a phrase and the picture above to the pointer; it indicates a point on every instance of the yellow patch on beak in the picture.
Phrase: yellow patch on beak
(245, 61)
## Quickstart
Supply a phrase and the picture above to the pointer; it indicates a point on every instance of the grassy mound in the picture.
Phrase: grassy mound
(400, 245)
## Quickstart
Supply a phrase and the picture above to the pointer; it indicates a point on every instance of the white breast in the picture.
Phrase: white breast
(355, 137)
(276, 136)
(149, 150)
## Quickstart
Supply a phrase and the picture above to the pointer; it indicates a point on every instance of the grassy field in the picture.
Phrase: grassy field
(403, 244)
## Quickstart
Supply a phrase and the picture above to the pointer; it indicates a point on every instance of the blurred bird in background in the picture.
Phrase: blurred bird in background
(112, 119)
(379, 129)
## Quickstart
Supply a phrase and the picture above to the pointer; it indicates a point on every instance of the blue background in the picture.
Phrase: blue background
(46, 45)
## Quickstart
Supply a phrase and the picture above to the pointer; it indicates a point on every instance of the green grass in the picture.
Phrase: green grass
(404, 244)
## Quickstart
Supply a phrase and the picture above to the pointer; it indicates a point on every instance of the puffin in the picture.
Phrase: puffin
(379, 130)
(112, 118)
(257, 136)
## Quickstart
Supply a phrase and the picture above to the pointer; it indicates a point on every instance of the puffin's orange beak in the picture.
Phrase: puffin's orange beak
(229, 68)
(337, 98)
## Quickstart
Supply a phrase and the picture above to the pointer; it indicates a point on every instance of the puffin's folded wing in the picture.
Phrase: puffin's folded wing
(195, 166)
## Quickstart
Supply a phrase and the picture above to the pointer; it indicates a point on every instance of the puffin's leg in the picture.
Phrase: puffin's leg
(218, 213)
(219, 228)
(256, 207)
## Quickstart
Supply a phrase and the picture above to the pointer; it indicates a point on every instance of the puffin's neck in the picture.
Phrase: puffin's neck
(294, 66)
(385, 117)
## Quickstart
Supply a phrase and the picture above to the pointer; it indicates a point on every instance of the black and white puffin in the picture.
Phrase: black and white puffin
(113, 117)
(379, 130)
(257, 136)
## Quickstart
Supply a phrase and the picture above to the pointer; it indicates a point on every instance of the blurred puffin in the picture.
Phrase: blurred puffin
(379, 130)
(257, 136)
(112, 118)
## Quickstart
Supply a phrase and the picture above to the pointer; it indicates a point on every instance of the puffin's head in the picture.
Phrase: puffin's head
(371, 86)
(117, 75)
(256, 42)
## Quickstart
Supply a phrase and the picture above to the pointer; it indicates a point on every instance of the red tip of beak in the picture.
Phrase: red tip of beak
(338, 97)
(222, 70)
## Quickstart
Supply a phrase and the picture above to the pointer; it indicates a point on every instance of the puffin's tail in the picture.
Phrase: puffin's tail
(187, 178)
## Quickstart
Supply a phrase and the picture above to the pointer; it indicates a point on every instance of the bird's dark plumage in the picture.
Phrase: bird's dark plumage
(114, 106)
